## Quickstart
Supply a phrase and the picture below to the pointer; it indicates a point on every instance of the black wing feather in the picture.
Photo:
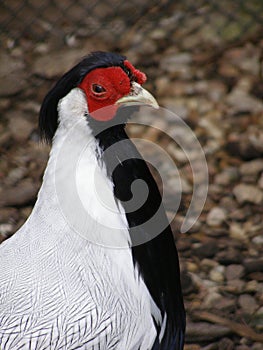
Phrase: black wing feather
(157, 259)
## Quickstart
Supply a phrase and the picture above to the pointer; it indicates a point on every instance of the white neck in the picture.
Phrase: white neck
(75, 184)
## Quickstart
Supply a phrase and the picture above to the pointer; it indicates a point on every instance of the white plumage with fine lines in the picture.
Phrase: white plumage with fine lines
(61, 291)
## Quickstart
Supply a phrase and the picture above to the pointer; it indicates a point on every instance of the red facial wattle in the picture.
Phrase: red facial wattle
(104, 86)
(137, 75)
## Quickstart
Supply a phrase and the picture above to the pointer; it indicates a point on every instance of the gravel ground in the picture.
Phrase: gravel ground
(218, 93)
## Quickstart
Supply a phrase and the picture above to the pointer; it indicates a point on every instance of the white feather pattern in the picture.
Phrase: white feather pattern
(60, 290)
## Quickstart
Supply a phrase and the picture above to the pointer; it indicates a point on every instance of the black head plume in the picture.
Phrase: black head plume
(48, 118)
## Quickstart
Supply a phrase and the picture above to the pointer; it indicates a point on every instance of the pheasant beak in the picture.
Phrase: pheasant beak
(138, 96)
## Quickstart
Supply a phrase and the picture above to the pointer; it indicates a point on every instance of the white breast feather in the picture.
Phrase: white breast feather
(58, 288)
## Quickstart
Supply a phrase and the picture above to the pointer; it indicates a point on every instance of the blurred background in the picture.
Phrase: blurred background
(204, 61)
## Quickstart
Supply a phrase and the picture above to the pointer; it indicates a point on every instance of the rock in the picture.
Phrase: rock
(260, 182)
(226, 344)
(15, 175)
(216, 91)
(214, 191)
(228, 70)
(30, 106)
(212, 299)
(207, 264)
(5, 139)
(19, 126)
(251, 63)
(238, 231)
(176, 106)
(257, 276)
(158, 34)
(188, 285)
(247, 145)
(246, 58)
(247, 304)
(183, 244)
(259, 319)
(178, 65)
(227, 304)
(8, 215)
(176, 182)
(206, 250)
(234, 272)
(5, 103)
(212, 346)
(13, 74)
(241, 102)
(6, 229)
(217, 274)
(229, 256)
(254, 167)
(55, 63)
(203, 331)
(216, 232)
(25, 212)
(260, 311)
(252, 287)
(21, 194)
(227, 176)
(240, 59)
(215, 131)
(253, 265)
(258, 240)
(176, 59)
(163, 84)
(238, 214)
(216, 217)
(149, 47)
(192, 347)
(203, 284)
(248, 193)
(235, 286)
(229, 204)
(192, 267)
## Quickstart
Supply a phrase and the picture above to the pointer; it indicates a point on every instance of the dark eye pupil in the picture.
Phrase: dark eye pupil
(129, 73)
(98, 88)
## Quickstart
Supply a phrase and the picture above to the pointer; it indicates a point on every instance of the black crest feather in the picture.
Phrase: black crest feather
(48, 118)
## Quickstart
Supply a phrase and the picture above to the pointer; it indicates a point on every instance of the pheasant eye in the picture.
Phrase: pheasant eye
(98, 89)
(129, 73)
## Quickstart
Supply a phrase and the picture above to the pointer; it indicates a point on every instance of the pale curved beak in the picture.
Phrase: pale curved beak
(138, 96)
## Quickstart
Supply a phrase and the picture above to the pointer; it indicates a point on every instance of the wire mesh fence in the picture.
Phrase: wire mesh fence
(117, 20)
